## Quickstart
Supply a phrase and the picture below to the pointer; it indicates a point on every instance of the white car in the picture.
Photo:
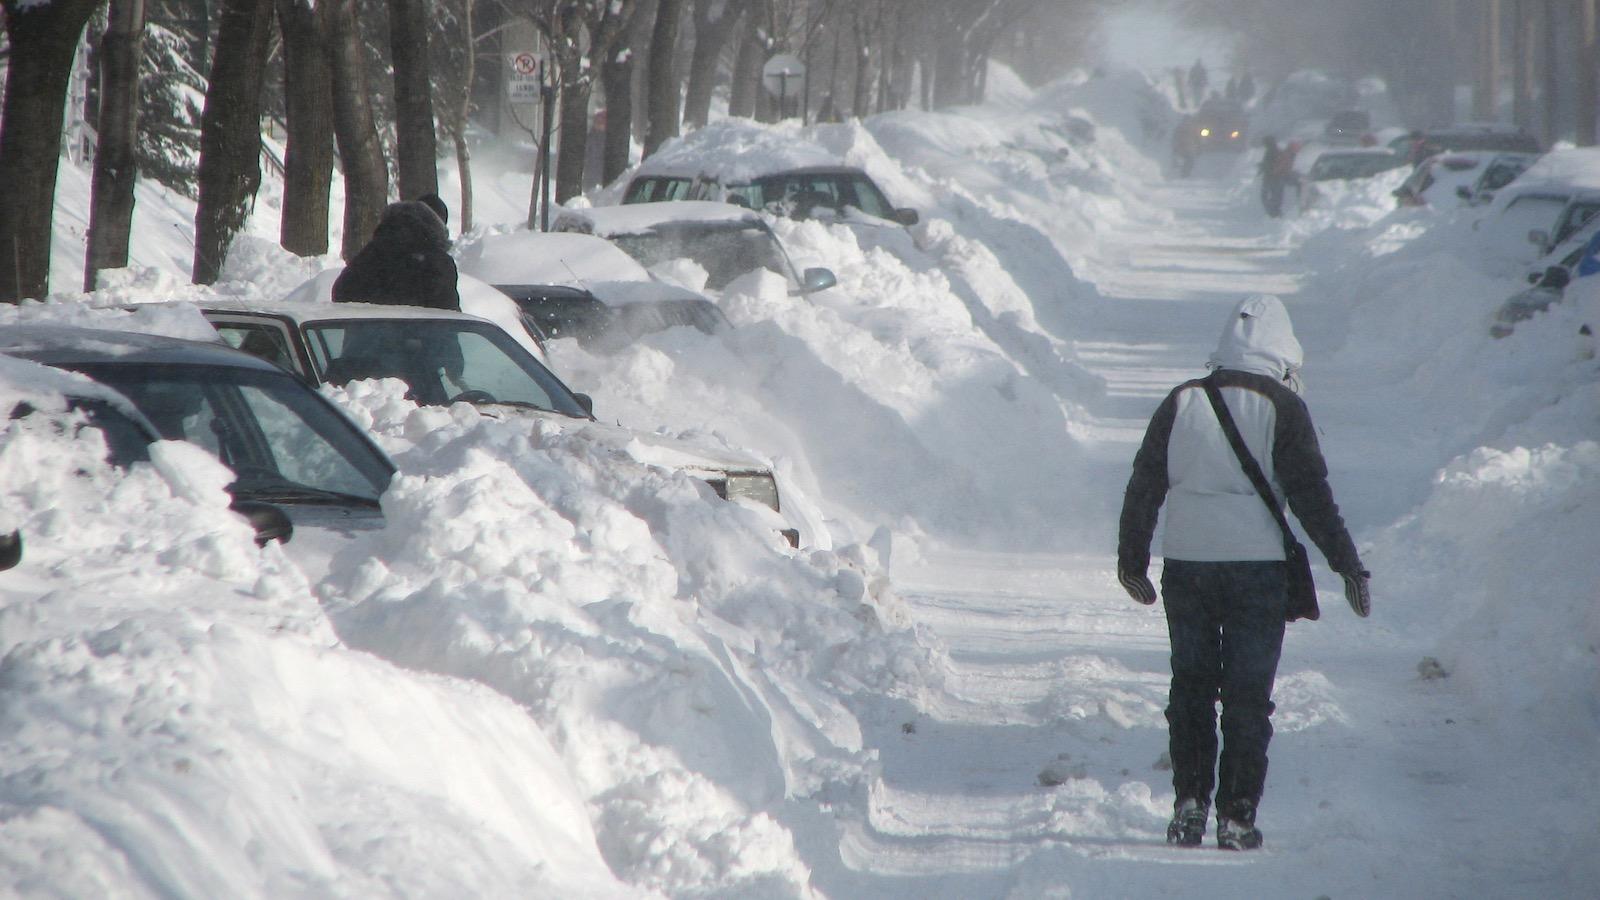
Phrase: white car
(449, 357)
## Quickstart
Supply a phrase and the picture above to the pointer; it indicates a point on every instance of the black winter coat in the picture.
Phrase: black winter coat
(407, 262)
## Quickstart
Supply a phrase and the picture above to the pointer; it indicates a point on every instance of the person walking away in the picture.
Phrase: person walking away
(1271, 178)
(407, 261)
(1224, 579)
(1198, 80)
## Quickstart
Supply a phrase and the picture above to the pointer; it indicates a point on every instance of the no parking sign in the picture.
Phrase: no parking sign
(522, 82)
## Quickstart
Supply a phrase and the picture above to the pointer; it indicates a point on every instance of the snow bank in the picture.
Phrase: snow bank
(179, 719)
(694, 674)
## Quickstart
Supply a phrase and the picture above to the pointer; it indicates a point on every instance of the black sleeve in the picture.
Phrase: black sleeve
(1303, 474)
(1147, 490)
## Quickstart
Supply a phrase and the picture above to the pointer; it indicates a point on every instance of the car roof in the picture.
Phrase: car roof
(636, 218)
(58, 345)
(303, 312)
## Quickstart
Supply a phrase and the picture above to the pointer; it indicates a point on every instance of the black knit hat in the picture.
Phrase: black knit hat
(435, 203)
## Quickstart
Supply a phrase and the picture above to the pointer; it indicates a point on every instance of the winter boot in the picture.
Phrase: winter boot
(1188, 825)
(1236, 829)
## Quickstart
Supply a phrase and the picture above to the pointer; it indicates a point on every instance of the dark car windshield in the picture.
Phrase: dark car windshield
(278, 437)
(725, 250)
(802, 192)
(441, 360)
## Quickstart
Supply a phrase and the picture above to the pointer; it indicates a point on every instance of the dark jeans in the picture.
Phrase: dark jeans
(1225, 620)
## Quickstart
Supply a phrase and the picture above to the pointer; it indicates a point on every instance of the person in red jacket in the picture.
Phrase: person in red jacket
(1224, 578)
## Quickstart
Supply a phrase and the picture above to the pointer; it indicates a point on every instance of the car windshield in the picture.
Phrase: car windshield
(441, 360)
(725, 250)
(802, 193)
(1502, 172)
(282, 441)
(1576, 216)
(1330, 167)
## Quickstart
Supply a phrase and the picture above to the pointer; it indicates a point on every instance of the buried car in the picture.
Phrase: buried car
(297, 460)
(800, 192)
(584, 287)
(726, 241)
(448, 357)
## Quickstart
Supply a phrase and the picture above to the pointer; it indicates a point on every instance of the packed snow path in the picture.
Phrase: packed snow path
(1036, 771)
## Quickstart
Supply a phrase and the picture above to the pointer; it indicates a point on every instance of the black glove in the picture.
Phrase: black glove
(1355, 591)
(1137, 584)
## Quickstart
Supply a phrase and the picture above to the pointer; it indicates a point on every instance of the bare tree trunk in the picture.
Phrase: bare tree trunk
(44, 38)
(1522, 41)
(366, 174)
(230, 133)
(747, 65)
(463, 113)
(574, 105)
(1485, 94)
(662, 93)
(117, 131)
(1550, 71)
(1588, 59)
(416, 143)
(616, 80)
(710, 38)
(308, 113)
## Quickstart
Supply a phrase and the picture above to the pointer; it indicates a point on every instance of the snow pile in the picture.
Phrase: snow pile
(174, 694)
(694, 675)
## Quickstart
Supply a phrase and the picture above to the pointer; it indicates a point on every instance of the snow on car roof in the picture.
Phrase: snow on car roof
(637, 218)
(1576, 168)
(735, 149)
(541, 257)
(303, 311)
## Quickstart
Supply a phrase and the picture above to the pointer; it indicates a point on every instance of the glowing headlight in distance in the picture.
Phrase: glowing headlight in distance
(1233, 134)
(1205, 132)
(758, 486)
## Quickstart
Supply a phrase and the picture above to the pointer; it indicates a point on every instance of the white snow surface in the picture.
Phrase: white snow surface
(556, 672)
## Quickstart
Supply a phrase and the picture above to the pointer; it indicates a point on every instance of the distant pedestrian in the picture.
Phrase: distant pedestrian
(407, 262)
(1225, 579)
(1271, 172)
(1198, 80)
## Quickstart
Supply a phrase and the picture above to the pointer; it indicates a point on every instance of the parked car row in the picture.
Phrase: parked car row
(249, 397)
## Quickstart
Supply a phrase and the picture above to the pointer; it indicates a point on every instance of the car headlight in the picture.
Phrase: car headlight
(758, 486)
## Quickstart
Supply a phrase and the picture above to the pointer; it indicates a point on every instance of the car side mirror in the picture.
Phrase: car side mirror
(906, 216)
(1556, 277)
(10, 550)
(270, 522)
(1538, 236)
(1464, 192)
(585, 402)
(817, 279)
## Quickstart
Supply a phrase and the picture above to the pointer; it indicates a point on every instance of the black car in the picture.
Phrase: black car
(296, 458)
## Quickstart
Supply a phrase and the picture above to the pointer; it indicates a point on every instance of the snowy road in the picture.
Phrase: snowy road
(1035, 772)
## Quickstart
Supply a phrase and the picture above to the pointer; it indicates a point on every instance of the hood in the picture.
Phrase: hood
(1258, 338)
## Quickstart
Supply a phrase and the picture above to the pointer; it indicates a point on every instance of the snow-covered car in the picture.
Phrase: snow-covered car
(1524, 305)
(725, 240)
(448, 357)
(1470, 177)
(1480, 136)
(798, 192)
(1350, 163)
(1579, 210)
(297, 460)
(1348, 126)
(584, 287)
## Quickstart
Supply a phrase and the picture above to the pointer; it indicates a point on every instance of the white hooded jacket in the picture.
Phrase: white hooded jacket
(1213, 511)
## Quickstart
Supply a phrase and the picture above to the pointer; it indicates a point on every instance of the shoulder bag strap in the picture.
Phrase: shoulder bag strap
(1251, 467)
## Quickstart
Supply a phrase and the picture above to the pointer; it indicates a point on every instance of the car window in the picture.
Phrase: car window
(1574, 217)
(860, 192)
(724, 250)
(1501, 173)
(268, 427)
(653, 188)
(440, 360)
(259, 340)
